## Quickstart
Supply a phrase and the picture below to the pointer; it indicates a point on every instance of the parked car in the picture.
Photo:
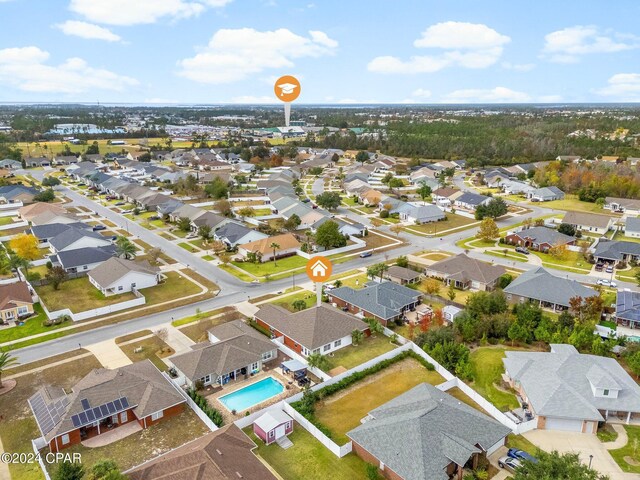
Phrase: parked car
(606, 283)
(99, 227)
(521, 455)
(119, 204)
(255, 282)
(522, 250)
(192, 235)
(155, 217)
(609, 269)
(509, 463)
(599, 267)
(365, 254)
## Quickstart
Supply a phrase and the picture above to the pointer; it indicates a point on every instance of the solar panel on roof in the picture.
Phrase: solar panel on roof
(83, 417)
(75, 420)
(111, 407)
(85, 404)
(118, 404)
(125, 402)
(90, 416)
(96, 412)
(104, 410)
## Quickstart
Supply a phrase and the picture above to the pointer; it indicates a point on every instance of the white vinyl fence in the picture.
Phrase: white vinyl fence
(37, 444)
(207, 421)
(358, 243)
(96, 312)
(287, 351)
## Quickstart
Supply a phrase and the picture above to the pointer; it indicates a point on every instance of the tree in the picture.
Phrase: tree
(449, 354)
(377, 270)
(50, 181)
(494, 209)
(246, 212)
(217, 189)
(68, 471)
(45, 196)
(274, 247)
(504, 280)
(374, 325)
(56, 275)
(106, 470)
(451, 292)
(638, 277)
(402, 261)
(552, 466)
(204, 231)
(424, 191)
(223, 207)
(395, 183)
(292, 223)
(16, 263)
(397, 228)
(299, 305)
(6, 361)
(356, 337)
(328, 235)
(93, 149)
(362, 156)
(559, 251)
(431, 286)
(25, 246)
(632, 359)
(567, 229)
(184, 224)
(488, 230)
(329, 200)
(317, 360)
(125, 247)
(154, 254)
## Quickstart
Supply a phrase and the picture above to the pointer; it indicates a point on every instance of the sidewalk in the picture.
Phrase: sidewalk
(176, 339)
(109, 354)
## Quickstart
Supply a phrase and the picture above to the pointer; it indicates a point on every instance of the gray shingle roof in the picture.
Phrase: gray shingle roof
(385, 300)
(628, 305)
(467, 268)
(84, 256)
(71, 235)
(51, 230)
(115, 268)
(419, 433)
(632, 224)
(588, 219)
(472, 198)
(559, 383)
(539, 284)
(615, 250)
(402, 272)
(545, 235)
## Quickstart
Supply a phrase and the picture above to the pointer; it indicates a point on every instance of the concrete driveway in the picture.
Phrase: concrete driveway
(582, 444)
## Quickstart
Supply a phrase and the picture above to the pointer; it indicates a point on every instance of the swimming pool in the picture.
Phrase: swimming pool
(252, 394)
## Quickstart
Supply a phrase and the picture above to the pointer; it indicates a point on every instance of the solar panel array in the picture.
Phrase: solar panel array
(91, 415)
(48, 415)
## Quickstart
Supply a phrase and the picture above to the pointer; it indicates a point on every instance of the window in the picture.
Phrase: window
(317, 350)
(84, 267)
(271, 433)
(65, 439)
(605, 392)
(206, 379)
(267, 356)
(133, 285)
(326, 347)
(337, 343)
(120, 287)
(254, 366)
(157, 415)
(23, 310)
(123, 417)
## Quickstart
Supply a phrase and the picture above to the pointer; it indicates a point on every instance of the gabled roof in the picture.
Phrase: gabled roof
(72, 235)
(234, 232)
(402, 272)
(545, 235)
(13, 191)
(286, 242)
(465, 268)
(115, 268)
(539, 284)
(632, 225)
(14, 292)
(28, 212)
(188, 211)
(419, 433)
(209, 219)
(472, 198)
(551, 191)
(83, 256)
(614, 249)
(385, 300)
(313, 327)
(630, 203)
(589, 219)
(559, 383)
(50, 230)
(628, 305)
(51, 216)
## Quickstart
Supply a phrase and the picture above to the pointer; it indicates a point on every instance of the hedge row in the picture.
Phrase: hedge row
(209, 411)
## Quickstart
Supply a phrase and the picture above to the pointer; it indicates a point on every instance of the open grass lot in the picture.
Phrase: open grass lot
(461, 295)
(201, 316)
(621, 237)
(453, 221)
(85, 296)
(18, 426)
(487, 367)
(343, 411)
(353, 355)
(375, 241)
(153, 348)
(146, 444)
(573, 261)
(356, 281)
(308, 459)
(6, 220)
(238, 273)
(510, 254)
(287, 302)
(175, 286)
(571, 202)
(629, 452)
(188, 247)
(628, 275)
(31, 326)
(197, 331)
(269, 268)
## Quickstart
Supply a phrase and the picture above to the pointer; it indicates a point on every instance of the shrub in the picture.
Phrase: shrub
(384, 214)
(209, 411)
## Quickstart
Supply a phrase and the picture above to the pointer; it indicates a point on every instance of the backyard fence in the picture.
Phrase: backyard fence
(358, 244)
(9, 226)
(198, 411)
(287, 351)
(95, 312)
(37, 444)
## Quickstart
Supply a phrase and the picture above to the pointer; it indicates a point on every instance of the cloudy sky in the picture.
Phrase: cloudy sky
(354, 51)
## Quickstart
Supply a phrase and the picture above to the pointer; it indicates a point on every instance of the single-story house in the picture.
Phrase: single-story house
(237, 351)
(614, 252)
(471, 201)
(538, 285)
(570, 391)
(419, 214)
(589, 222)
(288, 245)
(426, 433)
(65, 159)
(29, 212)
(34, 162)
(541, 239)
(385, 301)
(18, 194)
(224, 454)
(82, 259)
(445, 196)
(545, 194)
(233, 234)
(322, 329)
(15, 301)
(515, 187)
(210, 219)
(73, 238)
(272, 426)
(402, 275)
(632, 227)
(465, 272)
(628, 308)
(630, 206)
(51, 230)
(47, 217)
(102, 401)
(10, 164)
(117, 275)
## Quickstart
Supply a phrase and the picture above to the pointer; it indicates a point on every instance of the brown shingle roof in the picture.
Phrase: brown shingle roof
(590, 219)
(286, 241)
(466, 268)
(402, 273)
(30, 211)
(13, 292)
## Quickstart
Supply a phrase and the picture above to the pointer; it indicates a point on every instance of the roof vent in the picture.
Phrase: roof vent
(239, 475)
(218, 452)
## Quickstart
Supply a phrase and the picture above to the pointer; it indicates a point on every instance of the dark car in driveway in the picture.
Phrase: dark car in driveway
(521, 455)
(522, 250)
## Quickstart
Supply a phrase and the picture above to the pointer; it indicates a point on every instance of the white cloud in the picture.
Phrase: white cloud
(421, 93)
(493, 95)
(87, 30)
(622, 87)
(468, 45)
(25, 69)
(235, 54)
(568, 44)
(518, 67)
(253, 99)
(134, 12)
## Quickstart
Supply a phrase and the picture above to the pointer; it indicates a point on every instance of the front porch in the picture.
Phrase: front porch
(627, 418)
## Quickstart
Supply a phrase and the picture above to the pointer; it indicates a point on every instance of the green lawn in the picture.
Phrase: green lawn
(521, 443)
(511, 255)
(208, 258)
(354, 355)
(269, 268)
(6, 220)
(628, 275)
(487, 367)
(573, 260)
(360, 279)
(342, 413)
(571, 202)
(287, 302)
(629, 450)
(308, 459)
(78, 295)
(238, 273)
(31, 326)
(153, 349)
(188, 247)
(606, 433)
(175, 286)
(453, 221)
(200, 316)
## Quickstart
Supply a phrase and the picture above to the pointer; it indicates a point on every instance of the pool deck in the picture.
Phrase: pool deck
(271, 370)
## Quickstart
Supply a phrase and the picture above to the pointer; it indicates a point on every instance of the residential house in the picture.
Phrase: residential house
(465, 273)
(541, 239)
(450, 313)
(35, 162)
(628, 308)
(73, 238)
(17, 194)
(10, 164)
(402, 275)
(117, 275)
(226, 454)
(50, 230)
(29, 212)
(629, 206)
(233, 234)
(426, 433)
(385, 301)
(102, 401)
(632, 227)
(82, 259)
(471, 201)
(272, 425)
(287, 247)
(321, 329)
(186, 211)
(209, 219)
(589, 222)
(15, 301)
(515, 187)
(348, 229)
(445, 196)
(370, 197)
(539, 286)
(572, 392)
(419, 214)
(235, 351)
(545, 194)
(65, 159)
(49, 217)
(616, 252)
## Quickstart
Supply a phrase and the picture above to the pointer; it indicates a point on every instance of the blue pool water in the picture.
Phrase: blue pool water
(252, 394)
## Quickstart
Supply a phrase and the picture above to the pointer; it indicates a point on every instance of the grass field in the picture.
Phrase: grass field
(85, 296)
(453, 221)
(31, 326)
(353, 355)
(175, 286)
(342, 413)
(287, 302)
(630, 450)
(487, 367)
(571, 202)
(269, 268)
(153, 348)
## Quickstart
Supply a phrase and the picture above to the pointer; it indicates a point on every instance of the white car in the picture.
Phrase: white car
(509, 463)
(606, 283)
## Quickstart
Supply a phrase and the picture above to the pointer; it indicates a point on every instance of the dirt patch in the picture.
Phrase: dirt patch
(631, 461)
(7, 386)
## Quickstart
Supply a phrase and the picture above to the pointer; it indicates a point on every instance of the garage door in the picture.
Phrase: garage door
(563, 424)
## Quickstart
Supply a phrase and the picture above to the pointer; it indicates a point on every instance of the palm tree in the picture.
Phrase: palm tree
(16, 262)
(125, 247)
(275, 247)
(6, 360)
